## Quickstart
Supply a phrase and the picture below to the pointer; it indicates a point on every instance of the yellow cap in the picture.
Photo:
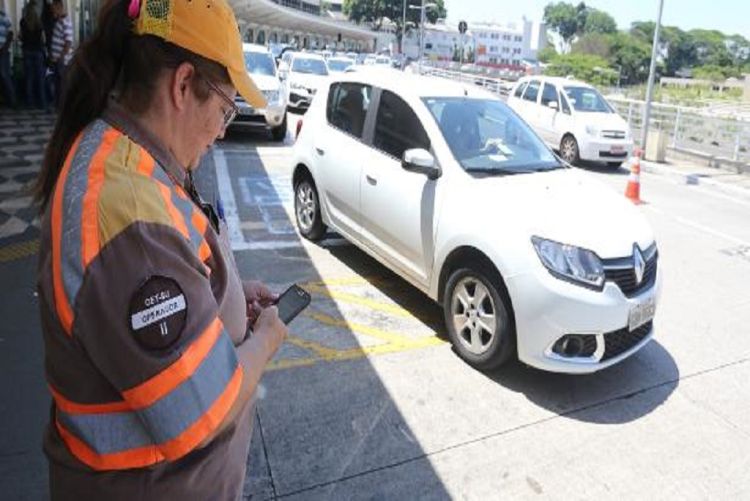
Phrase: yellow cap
(205, 27)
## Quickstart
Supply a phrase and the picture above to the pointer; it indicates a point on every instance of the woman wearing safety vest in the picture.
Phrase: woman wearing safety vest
(143, 310)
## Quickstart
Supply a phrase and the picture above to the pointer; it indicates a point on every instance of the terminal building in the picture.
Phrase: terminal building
(312, 24)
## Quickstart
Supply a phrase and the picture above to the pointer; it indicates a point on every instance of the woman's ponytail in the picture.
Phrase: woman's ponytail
(89, 81)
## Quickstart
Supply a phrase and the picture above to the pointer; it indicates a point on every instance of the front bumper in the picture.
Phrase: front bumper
(605, 150)
(300, 97)
(270, 117)
(546, 309)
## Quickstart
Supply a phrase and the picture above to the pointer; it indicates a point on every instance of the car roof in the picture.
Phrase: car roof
(308, 55)
(556, 80)
(254, 47)
(411, 85)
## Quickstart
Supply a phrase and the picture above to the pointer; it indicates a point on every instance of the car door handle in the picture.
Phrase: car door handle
(320, 151)
(371, 180)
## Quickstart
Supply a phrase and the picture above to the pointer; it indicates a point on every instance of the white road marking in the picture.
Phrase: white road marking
(700, 227)
(231, 216)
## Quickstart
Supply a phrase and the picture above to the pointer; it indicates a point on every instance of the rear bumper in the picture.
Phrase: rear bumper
(606, 150)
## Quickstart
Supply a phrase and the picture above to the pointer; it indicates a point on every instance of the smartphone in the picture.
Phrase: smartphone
(292, 302)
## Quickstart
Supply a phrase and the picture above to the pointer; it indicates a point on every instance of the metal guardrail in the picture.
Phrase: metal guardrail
(693, 131)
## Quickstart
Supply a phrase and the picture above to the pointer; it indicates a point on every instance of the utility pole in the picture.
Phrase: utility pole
(651, 76)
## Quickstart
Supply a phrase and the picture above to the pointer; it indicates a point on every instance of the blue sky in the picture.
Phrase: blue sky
(729, 16)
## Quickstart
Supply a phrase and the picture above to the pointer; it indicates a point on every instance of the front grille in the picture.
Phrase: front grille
(618, 342)
(621, 272)
(614, 134)
(251, 119)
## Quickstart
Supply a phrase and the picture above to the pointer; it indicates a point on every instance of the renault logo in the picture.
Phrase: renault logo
(639, 264)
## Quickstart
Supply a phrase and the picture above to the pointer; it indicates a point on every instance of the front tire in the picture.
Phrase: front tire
(307, 210)
(477, 318)
(569, 150)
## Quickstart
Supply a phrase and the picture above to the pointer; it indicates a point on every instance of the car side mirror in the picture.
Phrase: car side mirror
(554, 105)
(421, 161)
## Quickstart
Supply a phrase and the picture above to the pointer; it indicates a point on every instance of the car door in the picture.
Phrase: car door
(398, 206)
(565, 120)
(339, 153)
(547, 116)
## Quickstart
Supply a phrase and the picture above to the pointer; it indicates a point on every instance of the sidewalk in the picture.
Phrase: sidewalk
(687, 172)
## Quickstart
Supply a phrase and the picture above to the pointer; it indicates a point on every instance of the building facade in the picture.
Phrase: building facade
(509, 45)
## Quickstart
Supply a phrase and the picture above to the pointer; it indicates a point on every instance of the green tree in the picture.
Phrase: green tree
(632, 56)
(563, 19)
(546, 54)
(598, 21)
(374, 12)
(592, 69)
(596, 44)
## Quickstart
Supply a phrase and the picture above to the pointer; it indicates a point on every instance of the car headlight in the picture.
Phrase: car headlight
(592, 130)
(570, 263)
(272, 96)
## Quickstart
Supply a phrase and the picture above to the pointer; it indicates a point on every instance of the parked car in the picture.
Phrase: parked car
(574, 118)
(260, 65)
(339, 64)
(302, 76)
(449, 188)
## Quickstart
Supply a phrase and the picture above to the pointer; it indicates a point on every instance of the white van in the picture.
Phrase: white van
(573, 118)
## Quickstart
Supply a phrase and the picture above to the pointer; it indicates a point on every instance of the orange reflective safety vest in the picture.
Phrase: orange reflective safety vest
(141, 308)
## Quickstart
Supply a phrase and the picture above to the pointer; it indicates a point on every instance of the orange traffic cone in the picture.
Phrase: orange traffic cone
(633, 190)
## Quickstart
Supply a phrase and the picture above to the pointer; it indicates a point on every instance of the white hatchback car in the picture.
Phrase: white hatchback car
(303, 75)
(261, 66)
(444, 184)
(574, 118)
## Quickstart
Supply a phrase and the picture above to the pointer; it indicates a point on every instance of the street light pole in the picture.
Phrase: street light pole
(421, 37)
(651, 76)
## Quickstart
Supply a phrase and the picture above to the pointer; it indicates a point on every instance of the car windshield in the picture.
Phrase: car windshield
(309, 65)
(338, 64)
(586, 99)
(260, 63)
(485, 136)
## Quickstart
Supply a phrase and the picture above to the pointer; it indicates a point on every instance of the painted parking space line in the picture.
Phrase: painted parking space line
(387, 340)
(19, 250)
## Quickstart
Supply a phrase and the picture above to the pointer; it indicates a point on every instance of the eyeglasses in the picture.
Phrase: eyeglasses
(230, 114)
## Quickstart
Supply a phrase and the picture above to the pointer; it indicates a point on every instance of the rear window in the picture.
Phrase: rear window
(347, 107)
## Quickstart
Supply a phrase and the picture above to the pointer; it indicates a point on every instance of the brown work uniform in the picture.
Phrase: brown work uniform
(142, 308)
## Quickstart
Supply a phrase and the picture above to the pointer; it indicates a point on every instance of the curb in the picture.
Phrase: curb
(695, 179)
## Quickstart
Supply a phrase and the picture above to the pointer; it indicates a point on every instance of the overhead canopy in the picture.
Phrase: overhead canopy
(267, 12)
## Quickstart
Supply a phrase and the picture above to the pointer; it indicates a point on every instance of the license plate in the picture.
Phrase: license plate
(641, 313)
(616, 149)
(247, 111)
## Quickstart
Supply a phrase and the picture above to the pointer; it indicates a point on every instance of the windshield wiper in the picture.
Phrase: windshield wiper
(494, 171)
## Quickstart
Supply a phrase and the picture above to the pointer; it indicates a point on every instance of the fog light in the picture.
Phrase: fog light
(575, 345)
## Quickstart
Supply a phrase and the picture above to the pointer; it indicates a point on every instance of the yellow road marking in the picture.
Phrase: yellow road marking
(19, 250)
(354, 299)
(352, 354)
(362, 329)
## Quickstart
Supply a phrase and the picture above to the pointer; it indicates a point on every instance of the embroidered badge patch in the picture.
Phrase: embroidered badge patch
(158, 311)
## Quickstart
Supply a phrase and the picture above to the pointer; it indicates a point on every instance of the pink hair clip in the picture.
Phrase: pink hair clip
(134, 8)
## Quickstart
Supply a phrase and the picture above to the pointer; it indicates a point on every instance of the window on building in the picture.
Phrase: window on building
(397, 127)
(493, 49)
(347, 107)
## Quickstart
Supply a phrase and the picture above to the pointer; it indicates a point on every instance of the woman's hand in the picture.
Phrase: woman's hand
(257, 297)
